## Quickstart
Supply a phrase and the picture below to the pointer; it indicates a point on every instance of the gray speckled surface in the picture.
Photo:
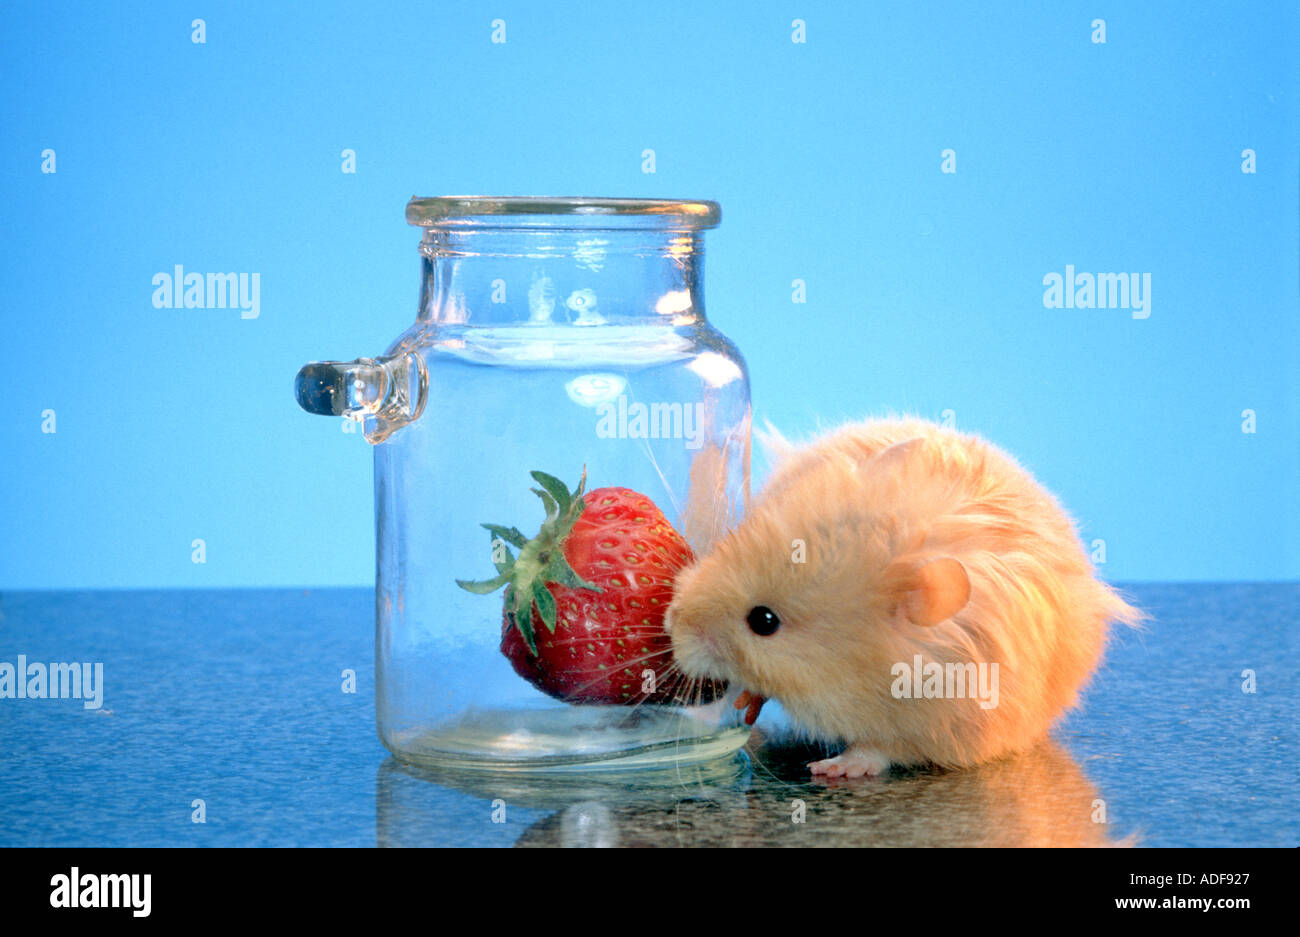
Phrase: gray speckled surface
(233, 697)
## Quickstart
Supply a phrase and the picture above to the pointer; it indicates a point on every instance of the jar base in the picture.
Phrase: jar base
(570, 739)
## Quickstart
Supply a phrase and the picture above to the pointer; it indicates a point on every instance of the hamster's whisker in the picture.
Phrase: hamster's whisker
(600, 675)
(632, 638)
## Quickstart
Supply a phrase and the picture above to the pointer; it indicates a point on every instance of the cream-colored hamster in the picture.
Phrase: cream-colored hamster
(890, 551)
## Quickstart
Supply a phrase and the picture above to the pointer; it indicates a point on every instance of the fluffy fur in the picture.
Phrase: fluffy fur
(873, 503)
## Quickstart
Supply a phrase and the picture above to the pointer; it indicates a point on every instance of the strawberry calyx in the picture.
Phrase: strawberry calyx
(540, 561)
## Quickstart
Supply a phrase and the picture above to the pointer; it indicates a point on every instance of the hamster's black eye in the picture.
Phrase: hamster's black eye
(762, 620)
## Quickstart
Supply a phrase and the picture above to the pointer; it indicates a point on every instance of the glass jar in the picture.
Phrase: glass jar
(554, 334)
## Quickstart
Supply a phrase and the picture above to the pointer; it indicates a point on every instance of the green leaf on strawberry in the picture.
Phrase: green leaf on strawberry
(541, 559)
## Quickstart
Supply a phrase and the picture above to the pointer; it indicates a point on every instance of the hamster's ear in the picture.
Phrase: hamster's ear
(931, 591)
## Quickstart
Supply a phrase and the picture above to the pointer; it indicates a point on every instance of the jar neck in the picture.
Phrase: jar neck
(561, 277)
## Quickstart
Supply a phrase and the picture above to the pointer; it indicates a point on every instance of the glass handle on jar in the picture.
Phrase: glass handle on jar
(383, 393)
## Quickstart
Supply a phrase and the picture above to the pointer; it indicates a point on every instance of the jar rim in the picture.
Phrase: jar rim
(488, 211)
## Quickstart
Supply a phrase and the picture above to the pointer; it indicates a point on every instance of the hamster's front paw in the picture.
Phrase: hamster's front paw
(854, 762)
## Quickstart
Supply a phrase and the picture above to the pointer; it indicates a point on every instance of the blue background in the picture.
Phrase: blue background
(924, 289)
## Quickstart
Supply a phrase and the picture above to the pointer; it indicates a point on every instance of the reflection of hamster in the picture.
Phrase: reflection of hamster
(1038, 798)
(880, 544)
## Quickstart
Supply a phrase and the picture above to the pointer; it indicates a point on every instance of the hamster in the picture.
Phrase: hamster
(887, 551)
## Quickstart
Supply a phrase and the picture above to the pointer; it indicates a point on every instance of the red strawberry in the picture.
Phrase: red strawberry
(585, 599)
